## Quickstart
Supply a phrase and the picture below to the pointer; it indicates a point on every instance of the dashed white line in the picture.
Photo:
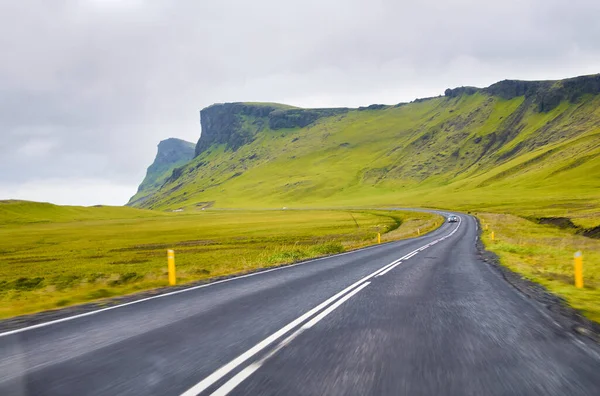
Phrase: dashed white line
(226, 369)
(333, 307)
(342, 296)
(411, 255)
(248, 371)
(389, 269)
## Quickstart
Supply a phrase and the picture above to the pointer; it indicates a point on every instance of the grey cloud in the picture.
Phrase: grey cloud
(89, 87)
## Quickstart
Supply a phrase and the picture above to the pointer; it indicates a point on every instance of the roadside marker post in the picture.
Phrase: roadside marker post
(171, 265)
(418, 231)
(578, 270)
(493, 236)
(379, 237)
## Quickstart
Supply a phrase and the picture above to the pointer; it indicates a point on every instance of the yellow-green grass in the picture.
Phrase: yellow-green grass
(544, 254)
(445, 152)
(55, 264)
(20, 212)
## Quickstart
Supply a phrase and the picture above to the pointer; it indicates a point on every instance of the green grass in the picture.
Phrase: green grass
(21, 212)
(468, 152)
(474, 153)
(84, 255)
(544, 254)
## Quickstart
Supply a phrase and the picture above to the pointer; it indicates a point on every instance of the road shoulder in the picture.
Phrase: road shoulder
(552, 305)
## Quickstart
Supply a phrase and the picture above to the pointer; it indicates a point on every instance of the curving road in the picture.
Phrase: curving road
(416, 317)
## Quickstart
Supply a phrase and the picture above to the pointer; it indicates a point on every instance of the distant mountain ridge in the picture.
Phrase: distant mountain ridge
(514, 140)
(172, 153)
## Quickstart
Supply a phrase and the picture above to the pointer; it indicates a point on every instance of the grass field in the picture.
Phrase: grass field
(83, 256)
(468, 152)
(544, 254)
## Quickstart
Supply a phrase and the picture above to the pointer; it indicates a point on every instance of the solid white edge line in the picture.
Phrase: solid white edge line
(82, 315)
(69, 318)
(224, 370)
(251, 368)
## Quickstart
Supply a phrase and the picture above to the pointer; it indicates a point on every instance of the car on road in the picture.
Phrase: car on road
(452, 219)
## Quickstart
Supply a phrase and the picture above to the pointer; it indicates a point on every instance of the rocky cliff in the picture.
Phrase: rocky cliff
(172, 153)
(546, 94)
(236, 124)
(486, 141)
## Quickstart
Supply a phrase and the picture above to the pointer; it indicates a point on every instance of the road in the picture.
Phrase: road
(423, 316)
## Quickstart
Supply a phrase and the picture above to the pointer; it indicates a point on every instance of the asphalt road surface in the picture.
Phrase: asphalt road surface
(416, 317)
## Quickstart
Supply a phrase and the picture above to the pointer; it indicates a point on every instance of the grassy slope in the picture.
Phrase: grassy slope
(471, 153)
(544, 254)
(453, 152)
(104, 252)
(15, 212)
(160, 171)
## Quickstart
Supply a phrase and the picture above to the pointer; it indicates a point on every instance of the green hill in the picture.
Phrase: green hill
(514, 145)
(14, 212)
(172, 153)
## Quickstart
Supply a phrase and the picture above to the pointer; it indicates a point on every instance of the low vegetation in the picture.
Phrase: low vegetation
(83, 256)
(544, 253)
(476, 151)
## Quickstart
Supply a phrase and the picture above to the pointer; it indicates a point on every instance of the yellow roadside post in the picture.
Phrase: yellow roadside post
(485, 226)
(378, 237)
(418, 231)
(578, 270)
(493, 236)
(171, 265)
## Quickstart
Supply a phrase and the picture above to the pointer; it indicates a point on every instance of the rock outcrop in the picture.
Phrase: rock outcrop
(299, 118)
(546, 94)
(236, 124)
(232, 124)
(172, 153)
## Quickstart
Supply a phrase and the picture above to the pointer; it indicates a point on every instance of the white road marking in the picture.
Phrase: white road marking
(388, 270)
(248, 371)
(224, 370)
(69, 318)
(415, 252)
(411, 255)
(333, 307)
(394, 263)
(236, 380)
(232, 365)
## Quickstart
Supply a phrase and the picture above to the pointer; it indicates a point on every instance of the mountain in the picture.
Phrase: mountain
(527, 143)
(172, 154)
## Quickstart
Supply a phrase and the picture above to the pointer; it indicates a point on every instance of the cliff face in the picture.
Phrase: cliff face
(546, 94)
(236, 124)
(505, 137)
(172, 153)
(232, 124)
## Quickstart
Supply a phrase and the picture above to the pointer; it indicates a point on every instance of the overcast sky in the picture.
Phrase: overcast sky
(89, 87)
